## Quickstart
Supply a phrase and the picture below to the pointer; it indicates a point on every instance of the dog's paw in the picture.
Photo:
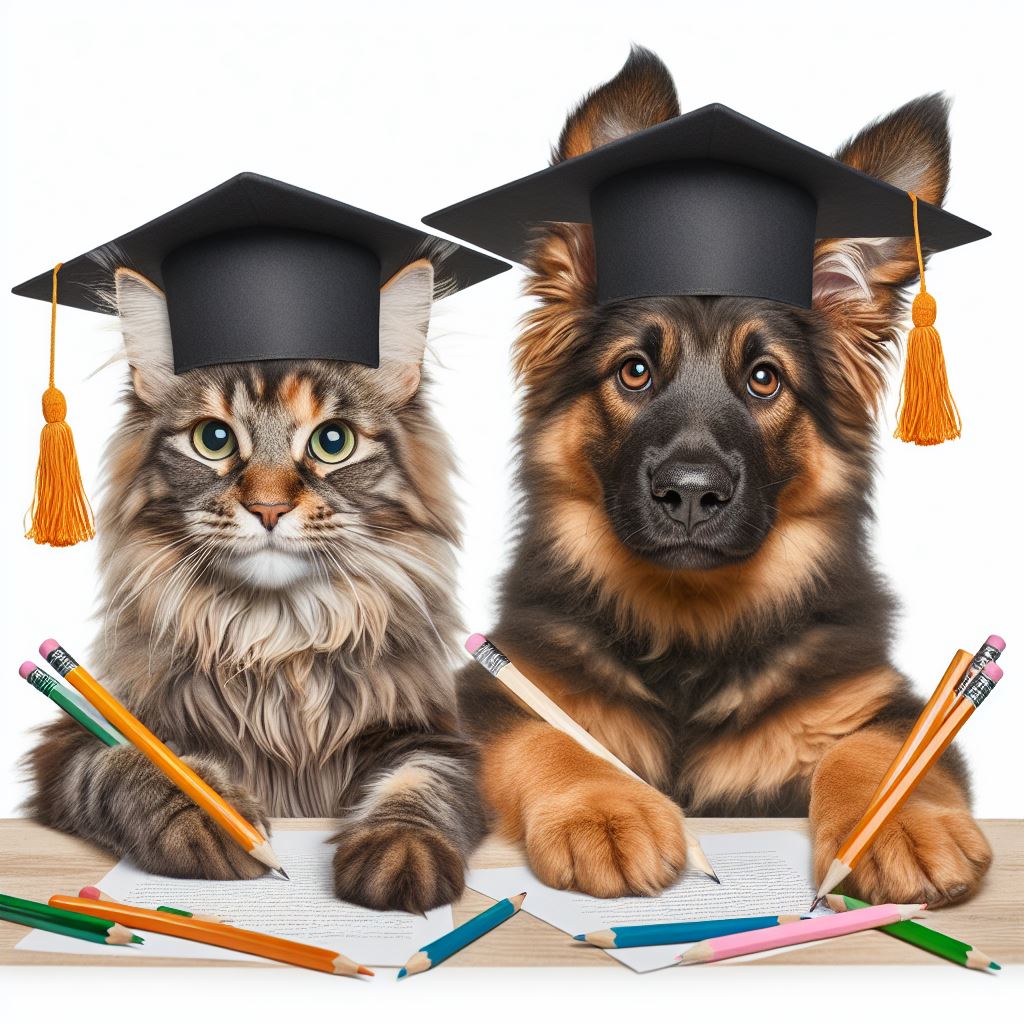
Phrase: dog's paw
(166, 833)
(931, 851)
(397, 867)
(613, 837)
(926, 853)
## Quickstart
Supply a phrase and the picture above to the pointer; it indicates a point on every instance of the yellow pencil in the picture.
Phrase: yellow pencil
(241, 831)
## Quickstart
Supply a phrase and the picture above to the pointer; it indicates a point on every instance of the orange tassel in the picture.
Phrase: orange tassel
(927, 411)
(60, 513)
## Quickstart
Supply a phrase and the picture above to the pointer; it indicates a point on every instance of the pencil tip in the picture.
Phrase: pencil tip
(365, 970)
(993, 966)
(281, 873)
(579, 938)
(814, 905)
(402, 973)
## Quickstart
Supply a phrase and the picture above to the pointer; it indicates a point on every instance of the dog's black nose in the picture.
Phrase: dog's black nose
(691, 492)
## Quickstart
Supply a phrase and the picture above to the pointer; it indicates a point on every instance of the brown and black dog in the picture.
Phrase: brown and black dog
(691, 579)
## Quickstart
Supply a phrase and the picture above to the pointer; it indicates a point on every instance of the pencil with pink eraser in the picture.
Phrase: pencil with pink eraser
(91, 892)
(798, 932)
(536, 700)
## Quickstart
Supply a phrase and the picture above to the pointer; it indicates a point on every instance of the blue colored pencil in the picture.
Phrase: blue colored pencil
(680, 931)
(433, 953)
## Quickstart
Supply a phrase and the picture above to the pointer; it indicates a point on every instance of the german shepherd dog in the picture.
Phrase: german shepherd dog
(691, 580)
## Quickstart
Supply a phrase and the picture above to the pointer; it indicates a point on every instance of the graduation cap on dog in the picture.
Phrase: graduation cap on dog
(255, 269)
(714, 203)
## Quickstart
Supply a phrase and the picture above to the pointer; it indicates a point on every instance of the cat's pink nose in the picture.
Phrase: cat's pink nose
(268, 514)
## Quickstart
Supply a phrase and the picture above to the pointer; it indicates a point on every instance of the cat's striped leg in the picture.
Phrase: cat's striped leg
(114, 797)
(405, 844)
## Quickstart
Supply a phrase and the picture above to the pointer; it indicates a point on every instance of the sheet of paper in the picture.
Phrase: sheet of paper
(303, 909)
(761, 873)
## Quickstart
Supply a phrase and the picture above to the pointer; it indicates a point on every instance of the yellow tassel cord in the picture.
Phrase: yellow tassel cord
(60, 513)
(927, 412)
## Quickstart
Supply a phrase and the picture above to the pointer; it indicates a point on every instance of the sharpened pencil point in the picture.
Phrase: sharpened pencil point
(993, 966)
(579, 938)
(402, 972)
(281, 873)
(365, 970)
(815, 904)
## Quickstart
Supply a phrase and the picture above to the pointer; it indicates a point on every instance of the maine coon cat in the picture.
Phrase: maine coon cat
(276, 550)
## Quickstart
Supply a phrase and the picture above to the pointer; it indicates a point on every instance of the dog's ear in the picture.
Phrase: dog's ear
(641, 95)
(859, 282)
(561, 259)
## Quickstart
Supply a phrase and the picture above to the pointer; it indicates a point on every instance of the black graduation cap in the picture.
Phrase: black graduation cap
(707, 203)
(259, 269)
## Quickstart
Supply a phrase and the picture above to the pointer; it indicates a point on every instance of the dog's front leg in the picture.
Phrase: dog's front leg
(931, 851)
(585, 824)
(405, 844)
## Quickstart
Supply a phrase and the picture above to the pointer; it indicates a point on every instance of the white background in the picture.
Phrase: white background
(116, 112)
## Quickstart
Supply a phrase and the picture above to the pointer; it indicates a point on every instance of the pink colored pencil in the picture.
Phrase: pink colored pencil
(797, 932)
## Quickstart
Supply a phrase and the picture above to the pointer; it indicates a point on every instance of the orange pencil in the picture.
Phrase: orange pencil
(875, 817)
(961, 670)
(285, 950)
(245, 834)
(927, 724)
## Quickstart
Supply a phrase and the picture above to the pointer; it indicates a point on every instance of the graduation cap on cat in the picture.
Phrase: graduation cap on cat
(255, 269)
(713, 203)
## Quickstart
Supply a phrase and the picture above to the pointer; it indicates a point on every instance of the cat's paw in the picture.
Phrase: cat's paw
(607, 838)
(397, 867)
(925, 853)
(164, 831)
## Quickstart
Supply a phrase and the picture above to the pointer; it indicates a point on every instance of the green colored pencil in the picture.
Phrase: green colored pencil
(190, 913)
(48, 924)
(108, 931)
(71, 702)
(924, 938)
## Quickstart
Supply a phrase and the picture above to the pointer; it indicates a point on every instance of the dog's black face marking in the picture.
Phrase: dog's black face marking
(701, 406)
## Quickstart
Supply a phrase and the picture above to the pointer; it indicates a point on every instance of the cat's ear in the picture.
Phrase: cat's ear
(405, 304)
(142, 310)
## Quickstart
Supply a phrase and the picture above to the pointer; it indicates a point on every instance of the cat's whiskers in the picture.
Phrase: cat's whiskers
(164, 621)
(130, 578)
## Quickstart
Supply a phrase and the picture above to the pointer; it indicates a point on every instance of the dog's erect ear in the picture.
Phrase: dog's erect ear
(859, 282)
(142, 311)
(641, 95)
(405, 304)
(561, 259)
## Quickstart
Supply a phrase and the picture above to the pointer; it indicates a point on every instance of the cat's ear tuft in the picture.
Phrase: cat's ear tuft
(142, 311)
(405, 304)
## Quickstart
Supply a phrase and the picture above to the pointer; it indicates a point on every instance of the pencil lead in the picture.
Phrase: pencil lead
(402, 973)
(579, 938)
(365, 970)
(814, 905)
(993, 966)
(281, 873)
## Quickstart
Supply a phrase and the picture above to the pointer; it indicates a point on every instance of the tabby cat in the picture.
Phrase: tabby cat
(277, 554)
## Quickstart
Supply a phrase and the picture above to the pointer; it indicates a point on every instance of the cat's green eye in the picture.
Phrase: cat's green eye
(214, 439)
(332, 442)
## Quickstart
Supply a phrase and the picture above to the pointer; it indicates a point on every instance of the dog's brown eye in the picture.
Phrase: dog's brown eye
(635, 374)
(764, 381)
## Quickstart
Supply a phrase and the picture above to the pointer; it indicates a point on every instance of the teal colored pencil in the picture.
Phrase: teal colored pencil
(73, 703)
(681, 931)
(433, 953)
(924, 938)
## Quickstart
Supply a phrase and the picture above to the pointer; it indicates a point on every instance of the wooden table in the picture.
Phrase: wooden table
(35, 862)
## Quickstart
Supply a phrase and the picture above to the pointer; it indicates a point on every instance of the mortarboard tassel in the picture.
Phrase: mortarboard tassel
(927, 411)
(60, 513)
